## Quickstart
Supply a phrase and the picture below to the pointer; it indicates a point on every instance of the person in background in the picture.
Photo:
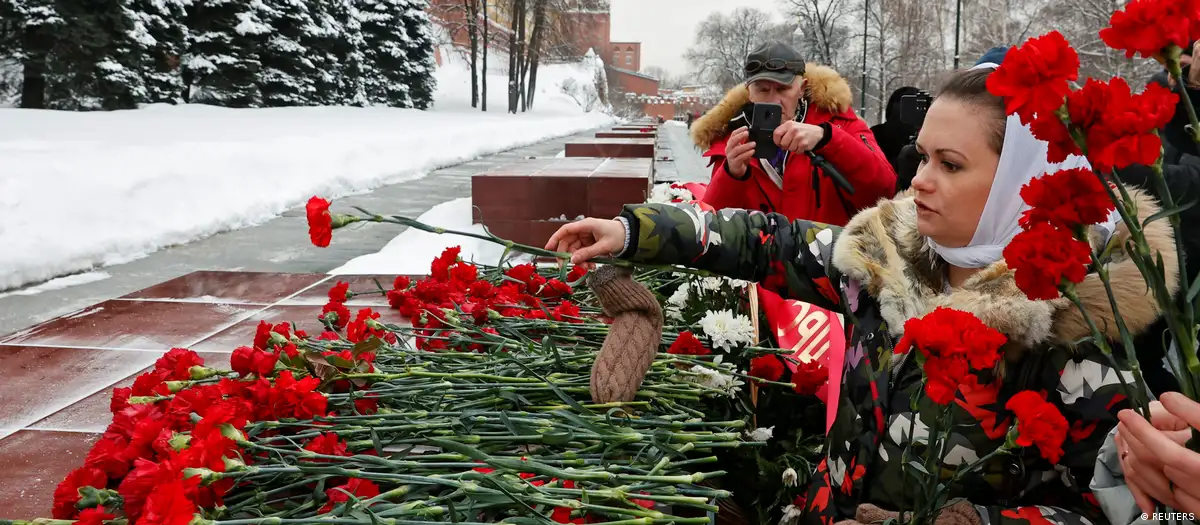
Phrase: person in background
(908, 159)
(893, 134)
(817, 118)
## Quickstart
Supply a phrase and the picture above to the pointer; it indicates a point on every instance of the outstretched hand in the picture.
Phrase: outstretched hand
(588, 239)
(1154, 459)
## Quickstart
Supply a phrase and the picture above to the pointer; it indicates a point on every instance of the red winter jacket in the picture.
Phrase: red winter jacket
(851, 149)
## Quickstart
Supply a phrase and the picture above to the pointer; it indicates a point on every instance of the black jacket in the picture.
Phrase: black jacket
(893, 134)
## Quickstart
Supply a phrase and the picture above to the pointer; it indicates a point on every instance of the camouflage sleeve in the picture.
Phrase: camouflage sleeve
(1090, 394)
(789, 258)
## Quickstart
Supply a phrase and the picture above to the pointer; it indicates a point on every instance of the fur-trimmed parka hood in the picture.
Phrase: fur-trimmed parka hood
(825, 88)
(882, 249)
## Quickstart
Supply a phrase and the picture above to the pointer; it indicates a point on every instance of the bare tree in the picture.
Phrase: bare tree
(723, 41)
(487, 42)
(472, 12)
(536, 44)
(823, 27)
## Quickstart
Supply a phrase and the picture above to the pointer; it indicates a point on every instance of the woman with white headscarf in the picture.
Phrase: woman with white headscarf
(940, 244)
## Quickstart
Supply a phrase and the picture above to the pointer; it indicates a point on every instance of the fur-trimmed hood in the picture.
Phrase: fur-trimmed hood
(826, 89)
(882, 249)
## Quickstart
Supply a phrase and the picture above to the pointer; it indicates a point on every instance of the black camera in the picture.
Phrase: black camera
(914, 107)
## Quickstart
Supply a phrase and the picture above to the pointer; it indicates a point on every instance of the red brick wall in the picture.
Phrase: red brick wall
(626, 55)
(627, 83)
(664, 110)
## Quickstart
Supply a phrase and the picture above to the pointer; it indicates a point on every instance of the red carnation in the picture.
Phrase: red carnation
(555, 288)
(340, 292)
(1088, 105)
(766, 367)
(1043, 257)
(1066, 199)
(1035, 77)
(120, 399)
(464, 273)
(360, 488)
(108, 454)
(177, 364)
(94, 516)
(320, 222)
(1126, 131)
(401, 283)
(246, 361)
(439, 269)
(527, 275)
(297, 399)
(328, 444)
(1039, 423)
(340, 317)
(688, 344)
(1148, 27)
(1060, 144)
(951, 343)
(809, 377)
(576, 273)
(168, 504)
(568, 312)
(66, 495)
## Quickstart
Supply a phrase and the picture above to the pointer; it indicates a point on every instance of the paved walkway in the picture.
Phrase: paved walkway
(280, 245)
(690, 165)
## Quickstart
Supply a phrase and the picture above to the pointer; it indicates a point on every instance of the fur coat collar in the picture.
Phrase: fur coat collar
(882, 249)
(825, 88)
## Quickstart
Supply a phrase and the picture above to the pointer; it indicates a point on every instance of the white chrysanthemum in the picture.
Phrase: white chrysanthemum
(791, 515)
(680, 297)
(761, 434)
(737, 284)
(712, 284)
(660, 193)
(713, 379)
(790, 477)
(664, 193)
(727, 331)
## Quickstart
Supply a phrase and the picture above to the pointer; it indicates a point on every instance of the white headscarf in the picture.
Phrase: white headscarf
(1022, 159)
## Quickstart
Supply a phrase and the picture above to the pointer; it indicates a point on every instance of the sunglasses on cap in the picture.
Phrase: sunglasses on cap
(776, 64)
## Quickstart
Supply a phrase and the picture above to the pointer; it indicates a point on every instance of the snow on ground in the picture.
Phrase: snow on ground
(80, 190)
(60, 283)
(412, 251)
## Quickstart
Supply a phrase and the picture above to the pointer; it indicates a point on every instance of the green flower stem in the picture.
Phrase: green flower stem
(1098, 337)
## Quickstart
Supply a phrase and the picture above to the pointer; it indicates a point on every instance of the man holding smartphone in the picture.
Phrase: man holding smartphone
(778, 168)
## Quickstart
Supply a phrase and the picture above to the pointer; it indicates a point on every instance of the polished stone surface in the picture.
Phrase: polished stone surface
(59, 375)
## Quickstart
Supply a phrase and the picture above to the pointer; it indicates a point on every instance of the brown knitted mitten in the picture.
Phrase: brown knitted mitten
(633, 338)
(959, 513)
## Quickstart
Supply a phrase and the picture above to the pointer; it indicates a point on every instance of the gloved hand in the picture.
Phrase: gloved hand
(959, 513)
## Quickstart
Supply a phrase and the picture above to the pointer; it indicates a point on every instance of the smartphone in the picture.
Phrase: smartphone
(764, 118)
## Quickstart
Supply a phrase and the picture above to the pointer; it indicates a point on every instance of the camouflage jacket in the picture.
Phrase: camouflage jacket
(879, 272)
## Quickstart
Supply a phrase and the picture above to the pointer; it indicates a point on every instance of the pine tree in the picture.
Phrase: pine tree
(386, 52)
(91, 61)
(223, 63)
(421, 64)
(28, 35)
(162, 35)
(289, 74)
(336, 48)
(351, 52)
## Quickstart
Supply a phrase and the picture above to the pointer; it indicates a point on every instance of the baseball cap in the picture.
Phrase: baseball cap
(775, 61)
